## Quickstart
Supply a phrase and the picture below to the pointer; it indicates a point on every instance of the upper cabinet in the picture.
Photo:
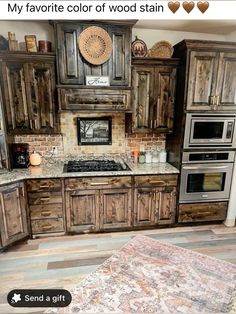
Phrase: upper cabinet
(28, 88)
(73, 68)
(153, 82)
(210, 69)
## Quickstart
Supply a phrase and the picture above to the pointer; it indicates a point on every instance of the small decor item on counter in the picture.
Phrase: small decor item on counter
(35, 159)
(161, 49)
(31, 43)
(163, 155)
(136, 155)
(12, 42)
(138, 48)
(95, 45)
(45, 46)
(3, 43)
(155, 156)
(148, 158)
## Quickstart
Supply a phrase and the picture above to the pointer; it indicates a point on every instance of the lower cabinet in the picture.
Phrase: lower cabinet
(13, 217)
(45, 199)
(98, 209)
(202, 212)
(154, 206)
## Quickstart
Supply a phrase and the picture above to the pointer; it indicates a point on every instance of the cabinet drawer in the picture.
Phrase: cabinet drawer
(43, 185)
(94, 99)
(46, 211)
(155, 180)
(44, 198)
(97, 183)
(202, 212)
(47, 225)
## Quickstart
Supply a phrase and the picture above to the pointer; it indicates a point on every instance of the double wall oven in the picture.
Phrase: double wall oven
(208, 157)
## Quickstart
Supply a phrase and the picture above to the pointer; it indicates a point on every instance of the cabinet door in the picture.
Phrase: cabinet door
(202, 80)
(115, 211)
(119, 63)
(143, 83)
(145, 209)
(70, 66)
(15, 96)
(163, 110)
(167, 205)
(13, 222)
(226, 82)
(82, 210)
(41, 91)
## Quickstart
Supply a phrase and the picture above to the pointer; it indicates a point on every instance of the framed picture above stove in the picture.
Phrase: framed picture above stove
(94, 131)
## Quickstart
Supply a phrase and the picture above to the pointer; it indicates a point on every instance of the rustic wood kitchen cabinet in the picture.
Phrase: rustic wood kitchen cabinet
(211, 74)
(13, 216)
(154, 200)
(73, 68)
(98, 203)
(153, 82)
(45, 199)
(28, 85)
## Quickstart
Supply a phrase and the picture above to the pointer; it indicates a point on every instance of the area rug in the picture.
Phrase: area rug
(148, 276)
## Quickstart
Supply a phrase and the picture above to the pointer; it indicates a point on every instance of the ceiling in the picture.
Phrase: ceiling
(211, 26)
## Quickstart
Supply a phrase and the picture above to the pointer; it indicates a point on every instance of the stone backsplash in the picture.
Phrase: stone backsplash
(67, 143)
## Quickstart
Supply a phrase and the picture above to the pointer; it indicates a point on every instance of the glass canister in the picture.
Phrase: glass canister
(148, 158)
(155, 156)
(141, 158)
(162, 155)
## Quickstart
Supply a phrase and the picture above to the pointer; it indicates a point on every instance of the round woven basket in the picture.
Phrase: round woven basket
(95, 45)
(161, 49)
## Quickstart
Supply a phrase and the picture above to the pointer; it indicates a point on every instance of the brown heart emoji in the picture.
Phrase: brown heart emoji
(174, 6)
(188, 6)
(203, 6)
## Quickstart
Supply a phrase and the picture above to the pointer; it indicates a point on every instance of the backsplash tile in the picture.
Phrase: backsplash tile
(67, 143)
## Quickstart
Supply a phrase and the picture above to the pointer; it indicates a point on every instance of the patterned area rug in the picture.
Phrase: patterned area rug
(147, 276)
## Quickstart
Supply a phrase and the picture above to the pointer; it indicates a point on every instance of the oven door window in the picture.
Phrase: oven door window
(206, 182)
(208, 130)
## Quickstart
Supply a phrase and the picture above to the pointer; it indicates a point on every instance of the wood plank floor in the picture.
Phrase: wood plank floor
(62, 262)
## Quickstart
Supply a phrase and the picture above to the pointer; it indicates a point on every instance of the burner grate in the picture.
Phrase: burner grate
(95, 165)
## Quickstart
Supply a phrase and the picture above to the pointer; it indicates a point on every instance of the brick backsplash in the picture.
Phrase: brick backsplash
(67, 142)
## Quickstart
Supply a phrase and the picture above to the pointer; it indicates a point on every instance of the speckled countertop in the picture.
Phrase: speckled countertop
(55, 170)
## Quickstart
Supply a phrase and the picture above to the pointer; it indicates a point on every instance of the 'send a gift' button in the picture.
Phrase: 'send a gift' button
(39, 298)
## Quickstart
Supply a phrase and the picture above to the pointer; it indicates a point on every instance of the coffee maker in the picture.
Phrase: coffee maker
(19, 155)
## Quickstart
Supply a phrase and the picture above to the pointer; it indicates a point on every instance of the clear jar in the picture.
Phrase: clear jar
(155, 156)
(148, 158)
(162, 155)
(141, 158)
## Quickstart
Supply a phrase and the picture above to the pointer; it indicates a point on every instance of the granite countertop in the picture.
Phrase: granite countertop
(55, 170)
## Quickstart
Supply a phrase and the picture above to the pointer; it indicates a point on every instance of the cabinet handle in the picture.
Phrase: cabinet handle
(157, 182)
(99, 183)
(44, 198)
(31, 124)
(46, 213)
(47, 227)
(218, 100)
(44, 186)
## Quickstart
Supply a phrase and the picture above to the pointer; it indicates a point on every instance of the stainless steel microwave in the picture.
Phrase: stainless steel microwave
(210, 130)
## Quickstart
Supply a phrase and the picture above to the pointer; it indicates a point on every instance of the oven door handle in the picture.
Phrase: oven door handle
(204, 167)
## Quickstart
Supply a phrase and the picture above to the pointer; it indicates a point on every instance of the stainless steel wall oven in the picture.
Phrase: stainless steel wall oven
(206, 176)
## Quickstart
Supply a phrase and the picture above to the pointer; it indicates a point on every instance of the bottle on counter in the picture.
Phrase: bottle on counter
(148, 157)
(141, 157)
(162, 155)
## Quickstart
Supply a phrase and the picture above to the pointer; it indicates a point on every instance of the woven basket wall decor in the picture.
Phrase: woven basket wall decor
(161, 49)
(95, 45)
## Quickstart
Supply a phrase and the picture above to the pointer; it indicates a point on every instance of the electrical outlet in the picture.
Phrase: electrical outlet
(53, 151)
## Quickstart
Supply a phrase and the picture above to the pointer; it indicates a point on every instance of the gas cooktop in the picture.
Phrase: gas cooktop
(95, 165)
